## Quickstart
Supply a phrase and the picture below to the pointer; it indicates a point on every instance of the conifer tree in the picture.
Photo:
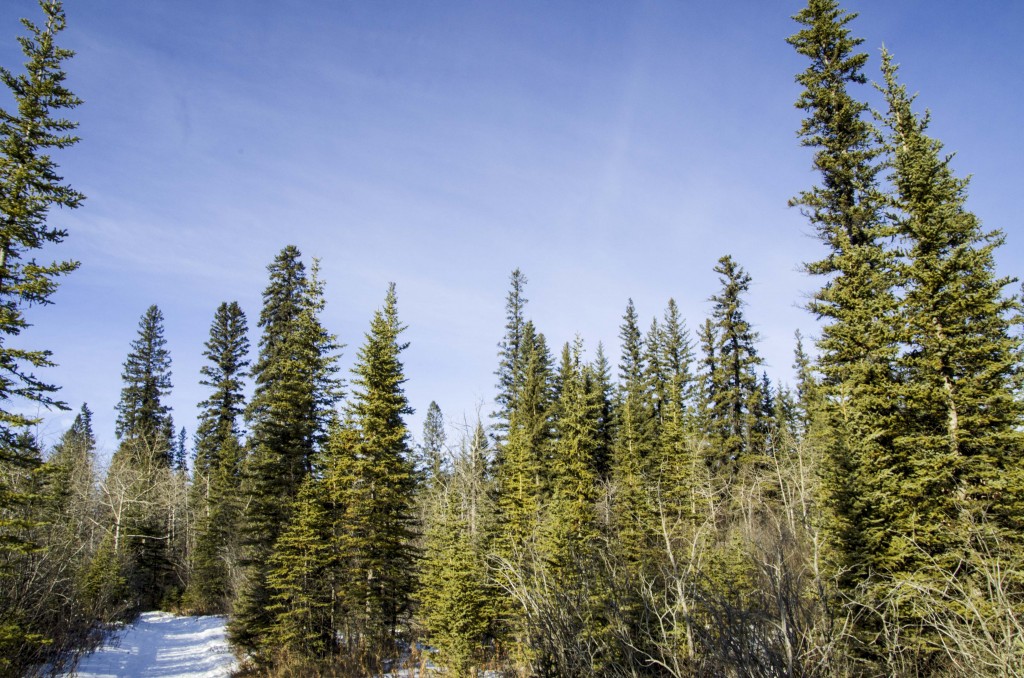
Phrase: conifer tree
(432, 449)
(961, 433)
(380, 495)
(453, 597)
(599, 383)
(633, 452)
(72, 463)
(673, 469)
(858, 345)
(296, 389)
(142, 468)
(570, 520)
(807, 392)
(216, 473)
(473, 477)
(737, 400)
(226, 352)
(521, 484)
(181, 452)
(511, 357)
(301, 579)
(520, 481)
(634, 427)
(143, 420)
(708, 367)
(29, 188)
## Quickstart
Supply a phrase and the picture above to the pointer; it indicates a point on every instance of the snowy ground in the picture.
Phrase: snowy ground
(163, 645)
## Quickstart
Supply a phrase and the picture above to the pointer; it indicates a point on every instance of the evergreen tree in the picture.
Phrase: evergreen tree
(961, 433)
(181, 452)
(511, 361)
(301, 579)
(72, 464)
(707, 391)
(433, 447)
(736, 401)
(380, 495)
(143, 420)
(521, 483)
(858, 344)
(807, 391)
(216, 473)
(29, 188)
(226, 353)
(296, 389)
(672, 472)
(570, 520)
(599, 383)
(632, 511)
(144, 515)
(453, 597)
(520, 480)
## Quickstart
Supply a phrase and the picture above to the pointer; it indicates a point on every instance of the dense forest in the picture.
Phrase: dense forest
(670, 511)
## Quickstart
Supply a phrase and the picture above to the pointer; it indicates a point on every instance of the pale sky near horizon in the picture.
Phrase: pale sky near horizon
(611, 150)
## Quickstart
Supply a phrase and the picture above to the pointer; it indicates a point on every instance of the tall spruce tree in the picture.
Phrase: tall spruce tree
(736, 402)
(141, 472)
(302, 579)
(510, 354)
(961, 430)
(570, 524)
(73, 462)
(296, 390)
(380, 494)
(216, 473)
(633, 452)
(521, 484)
(143, 419)
(452, 591)
(858, 344)
(433, 446)
(227, 355)
(599, 382)
(520, 481)
(29, 188)
(673, 467)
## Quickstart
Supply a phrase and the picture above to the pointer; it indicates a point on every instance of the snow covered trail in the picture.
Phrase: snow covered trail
(163, 645)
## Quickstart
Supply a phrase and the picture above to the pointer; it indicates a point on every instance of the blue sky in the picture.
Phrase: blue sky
(608, 149)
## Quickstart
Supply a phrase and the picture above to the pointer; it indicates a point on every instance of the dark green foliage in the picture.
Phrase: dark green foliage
(143, 420)
(734, 398)
(599, 382)
(29, 188)
(216, 494)
(570, 521)
(634, 440)
(386, 474)
(432, 451)
(372, 483)
(520, 481)
(226, 350)
(511, 356)
(807, 387)
(858, 344)
(181, 452)
(296, 389)
(453, 596)
(140, 486)
(301, 579)
(960, 362)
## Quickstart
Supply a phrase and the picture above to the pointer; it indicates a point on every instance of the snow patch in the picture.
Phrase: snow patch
(163, 645)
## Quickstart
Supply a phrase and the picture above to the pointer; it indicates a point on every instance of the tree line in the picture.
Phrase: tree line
(677, 514)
